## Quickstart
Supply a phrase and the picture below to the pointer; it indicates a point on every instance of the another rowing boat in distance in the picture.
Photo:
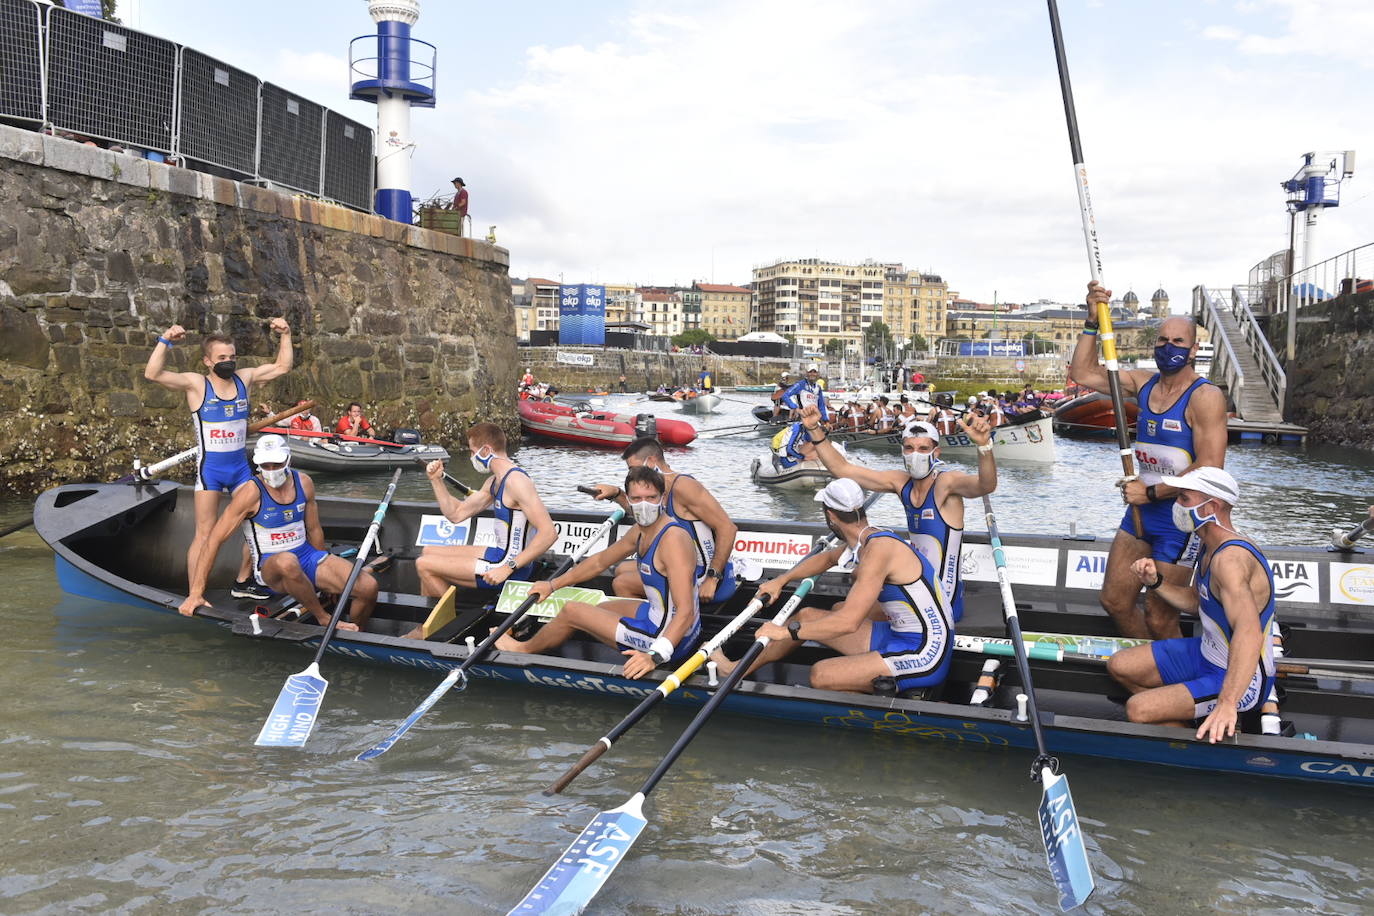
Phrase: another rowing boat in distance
(1033, 441)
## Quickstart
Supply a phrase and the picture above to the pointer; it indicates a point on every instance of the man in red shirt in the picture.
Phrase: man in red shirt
(305, 420)
(353, 423)
(460, 202)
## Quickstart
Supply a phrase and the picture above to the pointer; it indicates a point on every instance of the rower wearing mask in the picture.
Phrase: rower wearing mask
(932, 495)
(524, 530)
(1229, 668)
(662, 628)
(219, 407)
(1181, 427)
(688, 501)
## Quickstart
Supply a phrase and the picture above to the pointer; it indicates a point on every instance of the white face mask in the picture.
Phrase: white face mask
(645, 513)
(479, 464)
(1187, 519)
(919, 464)
(274, 478)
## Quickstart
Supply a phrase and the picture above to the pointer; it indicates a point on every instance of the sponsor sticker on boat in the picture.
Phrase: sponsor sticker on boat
(1085, 569)
(772, 549)
(1296, 580)
(484, 532)
(437, 531)
(512, 593)
(571, 536)
(1025, 565)
(1352, 583)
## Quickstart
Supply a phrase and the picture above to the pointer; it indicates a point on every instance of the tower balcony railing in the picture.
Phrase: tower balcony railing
(413, 57)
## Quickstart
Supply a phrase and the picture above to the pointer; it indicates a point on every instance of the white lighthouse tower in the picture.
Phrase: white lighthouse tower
(396, 79)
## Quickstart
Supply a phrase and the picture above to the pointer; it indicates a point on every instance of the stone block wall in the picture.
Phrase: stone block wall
(100, 252)
(644, 370)
(1331, 382)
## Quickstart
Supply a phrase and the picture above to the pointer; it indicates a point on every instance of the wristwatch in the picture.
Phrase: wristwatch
(794, 627)
(510, 561)
(713, 573)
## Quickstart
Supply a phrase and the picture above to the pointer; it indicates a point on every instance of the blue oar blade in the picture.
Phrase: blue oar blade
(1064, 847)
(293, 715)
(569, 886)
(381, 747)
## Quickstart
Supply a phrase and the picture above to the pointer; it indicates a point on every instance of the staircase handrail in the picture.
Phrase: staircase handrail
(1271, 370)
(1224, 363)
(1316, 277)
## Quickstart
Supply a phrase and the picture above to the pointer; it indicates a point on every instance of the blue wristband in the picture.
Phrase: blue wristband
(165, 342)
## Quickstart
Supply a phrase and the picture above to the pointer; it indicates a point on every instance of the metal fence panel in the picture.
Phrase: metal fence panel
(348, 162)
(218, 113)
(291, 140)
(109, 82)
(21, 62)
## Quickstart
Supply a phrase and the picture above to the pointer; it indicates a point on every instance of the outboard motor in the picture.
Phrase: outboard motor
(406, 437)
(646, 424)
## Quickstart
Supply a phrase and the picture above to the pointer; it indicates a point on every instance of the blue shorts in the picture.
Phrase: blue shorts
(494, 556)
(911, 660)
(1167, 543)
(725, 587)
(222, 472)
(1180, 661)
(639, 632)
(308, 555)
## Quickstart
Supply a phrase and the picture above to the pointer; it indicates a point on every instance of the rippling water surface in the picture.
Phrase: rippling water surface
(129, 781)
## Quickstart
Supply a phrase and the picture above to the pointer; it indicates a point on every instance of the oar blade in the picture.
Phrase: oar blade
(293, 715)
(381, 747)
(1064, 847)
(569, 886)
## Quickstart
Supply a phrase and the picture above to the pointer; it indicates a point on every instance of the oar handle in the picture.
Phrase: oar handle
(457, 484)
(590, 491)
(368, 541)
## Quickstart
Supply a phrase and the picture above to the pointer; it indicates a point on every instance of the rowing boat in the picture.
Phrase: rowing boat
(126, 543)
(599, 427)
(1090, 415)
(703, 403)
(1033, 441)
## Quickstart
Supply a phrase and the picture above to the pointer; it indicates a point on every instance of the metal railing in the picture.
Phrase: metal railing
(1271, 370)
(96, 80)
(1226, 370)
(1327, 279)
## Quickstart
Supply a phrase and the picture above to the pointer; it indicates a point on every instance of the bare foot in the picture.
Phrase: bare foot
(343, 624)
(508, 643)
(417, 633)
(723, 665)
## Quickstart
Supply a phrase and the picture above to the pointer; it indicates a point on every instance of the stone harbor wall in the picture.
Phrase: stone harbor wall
(1331, 383)
(100, 252)
(600, 368)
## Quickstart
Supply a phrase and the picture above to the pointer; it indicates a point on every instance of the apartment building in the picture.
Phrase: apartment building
(817, 300)
(915, 303)
(724, 309)
(661, 311)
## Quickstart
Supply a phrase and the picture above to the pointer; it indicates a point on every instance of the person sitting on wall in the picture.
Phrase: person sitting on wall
(353, 423)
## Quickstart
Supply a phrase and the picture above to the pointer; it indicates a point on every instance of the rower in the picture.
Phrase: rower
(892, 580)
(932, 495)
(665, 626)
(281, 524)
(1229, 669)
(806, 393)
(943, 417)
(524, 530)
(1182, 426)
(688, 501)
(219, 411)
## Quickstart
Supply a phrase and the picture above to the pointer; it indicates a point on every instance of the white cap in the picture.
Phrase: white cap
(1208, 480)
(921, 429)
(842, 495)
(271, 449)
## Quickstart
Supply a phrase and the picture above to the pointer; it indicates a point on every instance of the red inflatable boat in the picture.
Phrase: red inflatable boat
(599, 427)
(1090, 415)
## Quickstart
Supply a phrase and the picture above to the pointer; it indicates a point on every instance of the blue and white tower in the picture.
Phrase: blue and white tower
(396, 79)
(1315, 187)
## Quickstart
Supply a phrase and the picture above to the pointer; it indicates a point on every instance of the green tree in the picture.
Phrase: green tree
(693, 337)
(919, 344)
(834, 347)
(877, 338)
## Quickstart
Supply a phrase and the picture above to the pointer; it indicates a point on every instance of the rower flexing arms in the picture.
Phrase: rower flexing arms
(524, 530)
(666, 625)
(281, 525)
(688, 501)
(932, 496)
(219, 407)
(1229, 669)
(894, 622)
(1181, 427)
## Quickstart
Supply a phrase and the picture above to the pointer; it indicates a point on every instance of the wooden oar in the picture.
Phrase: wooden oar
(298, 705)
(1340, 540)
(147, 472)
(481, 649)
(321, 434)
(1064, 848)
(1106, 335)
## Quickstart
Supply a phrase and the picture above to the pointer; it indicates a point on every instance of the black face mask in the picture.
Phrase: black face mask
(225, 368)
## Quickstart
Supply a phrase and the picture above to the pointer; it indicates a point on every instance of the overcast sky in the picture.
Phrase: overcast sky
(657, 141)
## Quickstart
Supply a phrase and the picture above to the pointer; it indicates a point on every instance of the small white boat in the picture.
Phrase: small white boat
(811, 474)
(701, 404)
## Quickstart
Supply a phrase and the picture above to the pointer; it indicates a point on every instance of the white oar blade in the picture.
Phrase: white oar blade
(1064, 848)
(569, 886)
(381, 747)
(293, 716)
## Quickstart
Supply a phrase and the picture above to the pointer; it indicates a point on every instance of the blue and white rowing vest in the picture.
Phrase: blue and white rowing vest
(1216, 629)
(1164, 441)
(937, 540)
(275, 527)
(222, 425)
(512, 525)
(703, 538)
(916, 607)
(661, 606)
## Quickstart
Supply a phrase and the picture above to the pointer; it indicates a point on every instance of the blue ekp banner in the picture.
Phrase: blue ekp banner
(85, 7)
(992, 348)
(582, 315)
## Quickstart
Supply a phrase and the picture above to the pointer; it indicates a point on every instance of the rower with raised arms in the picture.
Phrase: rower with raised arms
(524, 530)
(218, 400)
(932, 495)
(894, 621)
(281, 524)
(666, 625)
(1181, 427)
(688, 501)
(1229, 669)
